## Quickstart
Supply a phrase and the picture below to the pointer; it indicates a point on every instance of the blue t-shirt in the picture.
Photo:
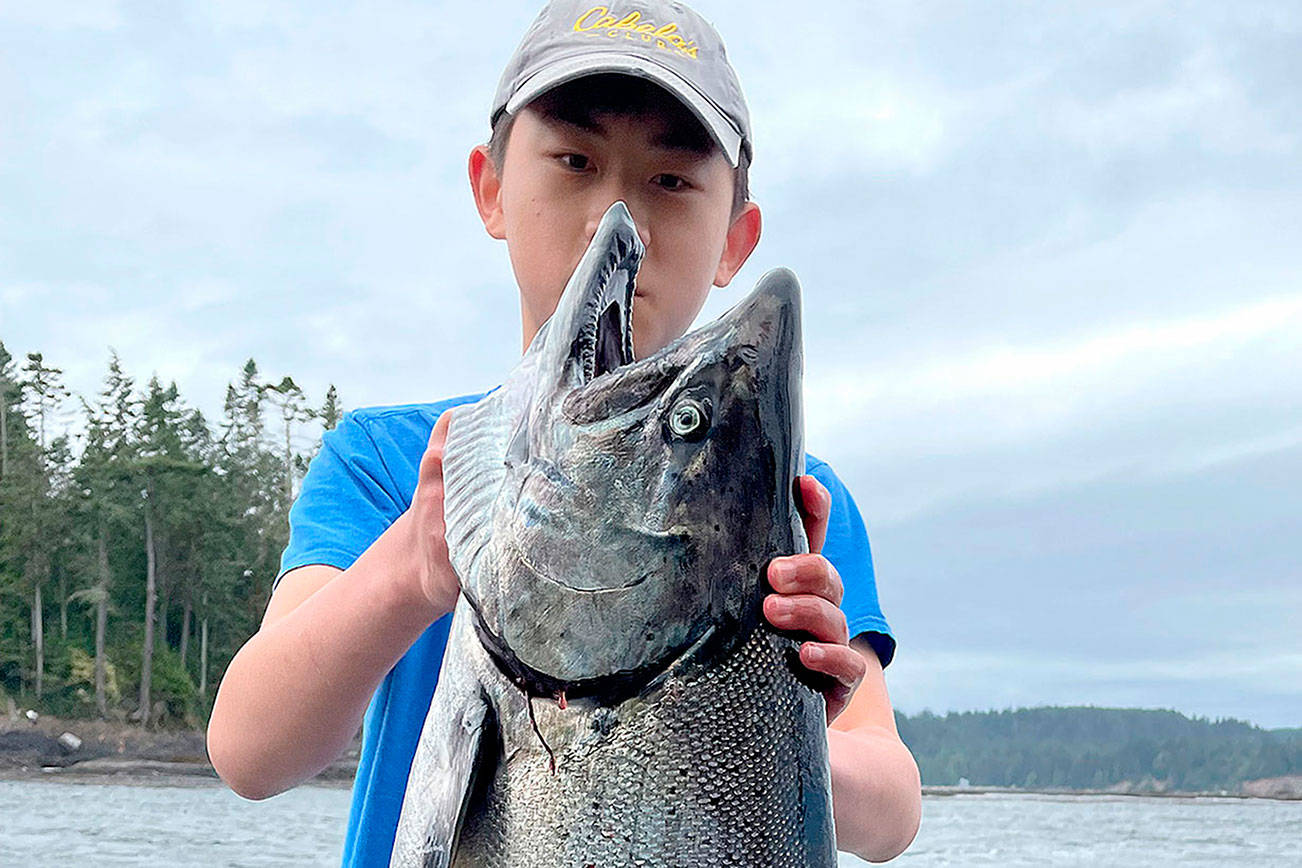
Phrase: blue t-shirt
(362, 479)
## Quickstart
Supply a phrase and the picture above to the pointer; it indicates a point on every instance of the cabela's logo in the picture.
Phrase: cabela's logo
(599, 21)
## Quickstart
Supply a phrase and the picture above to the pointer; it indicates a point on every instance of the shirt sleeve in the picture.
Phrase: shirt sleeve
(347, 500)
(847, 548)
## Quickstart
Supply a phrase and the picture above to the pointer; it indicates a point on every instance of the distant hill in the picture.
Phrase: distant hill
(1097, 748)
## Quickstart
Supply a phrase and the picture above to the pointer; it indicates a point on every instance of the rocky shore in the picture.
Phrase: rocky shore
(52, 748)
(100, 749)
(1288, 788)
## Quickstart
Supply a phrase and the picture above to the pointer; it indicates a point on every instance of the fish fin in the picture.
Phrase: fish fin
(444, 770)
(489, 434)
(474, 462)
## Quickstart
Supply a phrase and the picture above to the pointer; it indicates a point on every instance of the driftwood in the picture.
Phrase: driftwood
(111, 766)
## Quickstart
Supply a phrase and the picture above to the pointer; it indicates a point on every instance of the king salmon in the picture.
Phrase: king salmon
(610, 693)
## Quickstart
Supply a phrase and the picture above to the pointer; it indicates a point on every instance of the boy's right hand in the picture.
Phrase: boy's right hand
(438, 581)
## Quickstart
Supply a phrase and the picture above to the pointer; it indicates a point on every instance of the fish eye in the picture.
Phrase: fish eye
(689, 419)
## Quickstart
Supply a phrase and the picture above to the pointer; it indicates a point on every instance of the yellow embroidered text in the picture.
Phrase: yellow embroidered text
(599, 21)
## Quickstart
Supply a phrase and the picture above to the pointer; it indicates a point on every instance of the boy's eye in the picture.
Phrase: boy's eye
(577, 162)
(669, 182)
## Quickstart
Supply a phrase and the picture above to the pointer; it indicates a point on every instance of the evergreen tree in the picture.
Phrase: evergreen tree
(44, 388)
(164, 536)
(23, 487)
(331, 411)
(253, 472)
(1096, 748)
(105, 478)
(9, 397)
(292, 408)
(34, 470)
(169, 466)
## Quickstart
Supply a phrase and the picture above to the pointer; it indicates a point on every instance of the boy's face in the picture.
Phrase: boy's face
(559, 177)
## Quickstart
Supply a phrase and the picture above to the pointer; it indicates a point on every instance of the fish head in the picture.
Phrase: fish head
(641, 499)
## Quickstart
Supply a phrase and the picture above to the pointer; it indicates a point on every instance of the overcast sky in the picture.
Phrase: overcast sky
(1052, 260)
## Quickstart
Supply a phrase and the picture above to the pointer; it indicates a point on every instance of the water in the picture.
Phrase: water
(59, 823)
(1011, 830)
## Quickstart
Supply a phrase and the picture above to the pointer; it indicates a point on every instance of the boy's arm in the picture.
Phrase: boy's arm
(876, 789)
(294, 695)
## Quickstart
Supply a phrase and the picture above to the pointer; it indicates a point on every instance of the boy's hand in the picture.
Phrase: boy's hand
(438, 581)
(808, 600)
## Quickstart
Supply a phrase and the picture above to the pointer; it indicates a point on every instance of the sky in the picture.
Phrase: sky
(1050, 258)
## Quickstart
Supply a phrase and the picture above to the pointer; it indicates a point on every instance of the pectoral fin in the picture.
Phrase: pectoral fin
(568, 349)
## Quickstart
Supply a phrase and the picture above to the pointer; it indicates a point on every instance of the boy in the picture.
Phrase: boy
(637, 103)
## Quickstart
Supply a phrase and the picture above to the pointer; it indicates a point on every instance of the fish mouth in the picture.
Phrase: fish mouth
(540, 573)
(604, 340)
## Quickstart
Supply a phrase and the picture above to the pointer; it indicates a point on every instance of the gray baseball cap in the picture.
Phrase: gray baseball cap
(663, 41)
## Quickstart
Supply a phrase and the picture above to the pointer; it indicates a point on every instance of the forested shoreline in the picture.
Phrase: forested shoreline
(1087, 748)
(138, 539)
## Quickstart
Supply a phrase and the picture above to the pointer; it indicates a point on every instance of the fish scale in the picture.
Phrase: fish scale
(679, 779)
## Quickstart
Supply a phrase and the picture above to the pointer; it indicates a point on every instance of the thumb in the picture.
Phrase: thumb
(815, 508)
(431, 463)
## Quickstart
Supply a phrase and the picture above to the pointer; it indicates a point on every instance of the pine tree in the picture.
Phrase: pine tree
(167, 535)
(331, 411)
(105, 478)
(168, 470)
(45, 389)
(9, 396)
(290, 402)
(42, 392)
(255, 474)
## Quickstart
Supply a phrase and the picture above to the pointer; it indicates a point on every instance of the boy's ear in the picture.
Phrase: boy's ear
(486, 185)
(743, 235)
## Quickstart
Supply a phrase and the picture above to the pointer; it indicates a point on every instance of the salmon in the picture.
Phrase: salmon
(611, 694)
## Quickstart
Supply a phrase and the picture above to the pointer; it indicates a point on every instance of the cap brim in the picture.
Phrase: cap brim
(727, 136)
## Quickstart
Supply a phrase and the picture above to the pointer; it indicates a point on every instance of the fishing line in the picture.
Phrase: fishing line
(551, 757)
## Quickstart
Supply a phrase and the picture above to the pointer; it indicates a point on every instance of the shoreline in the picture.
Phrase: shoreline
(339, 776)
(117, 753)
(99, 751)
(152, 773)
(942, 790)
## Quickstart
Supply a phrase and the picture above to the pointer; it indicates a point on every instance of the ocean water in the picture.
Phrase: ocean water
(58, 823)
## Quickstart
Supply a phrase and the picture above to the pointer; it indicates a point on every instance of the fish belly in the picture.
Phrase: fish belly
(723, 766)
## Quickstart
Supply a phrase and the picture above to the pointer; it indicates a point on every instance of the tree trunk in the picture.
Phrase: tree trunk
(289, 467)
(162, 616)
(4, 428)
(203, 659)
(185, 629)
(101, 623)
(38, 639)
(63, 606)
(147, 651)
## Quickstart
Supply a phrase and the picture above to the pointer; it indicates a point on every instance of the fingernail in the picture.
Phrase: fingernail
(781, 569)
(815, 653)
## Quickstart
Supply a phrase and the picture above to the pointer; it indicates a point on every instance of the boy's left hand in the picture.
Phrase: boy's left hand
(808, 600)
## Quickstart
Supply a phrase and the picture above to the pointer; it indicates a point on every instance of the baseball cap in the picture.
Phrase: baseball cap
(665, 42)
